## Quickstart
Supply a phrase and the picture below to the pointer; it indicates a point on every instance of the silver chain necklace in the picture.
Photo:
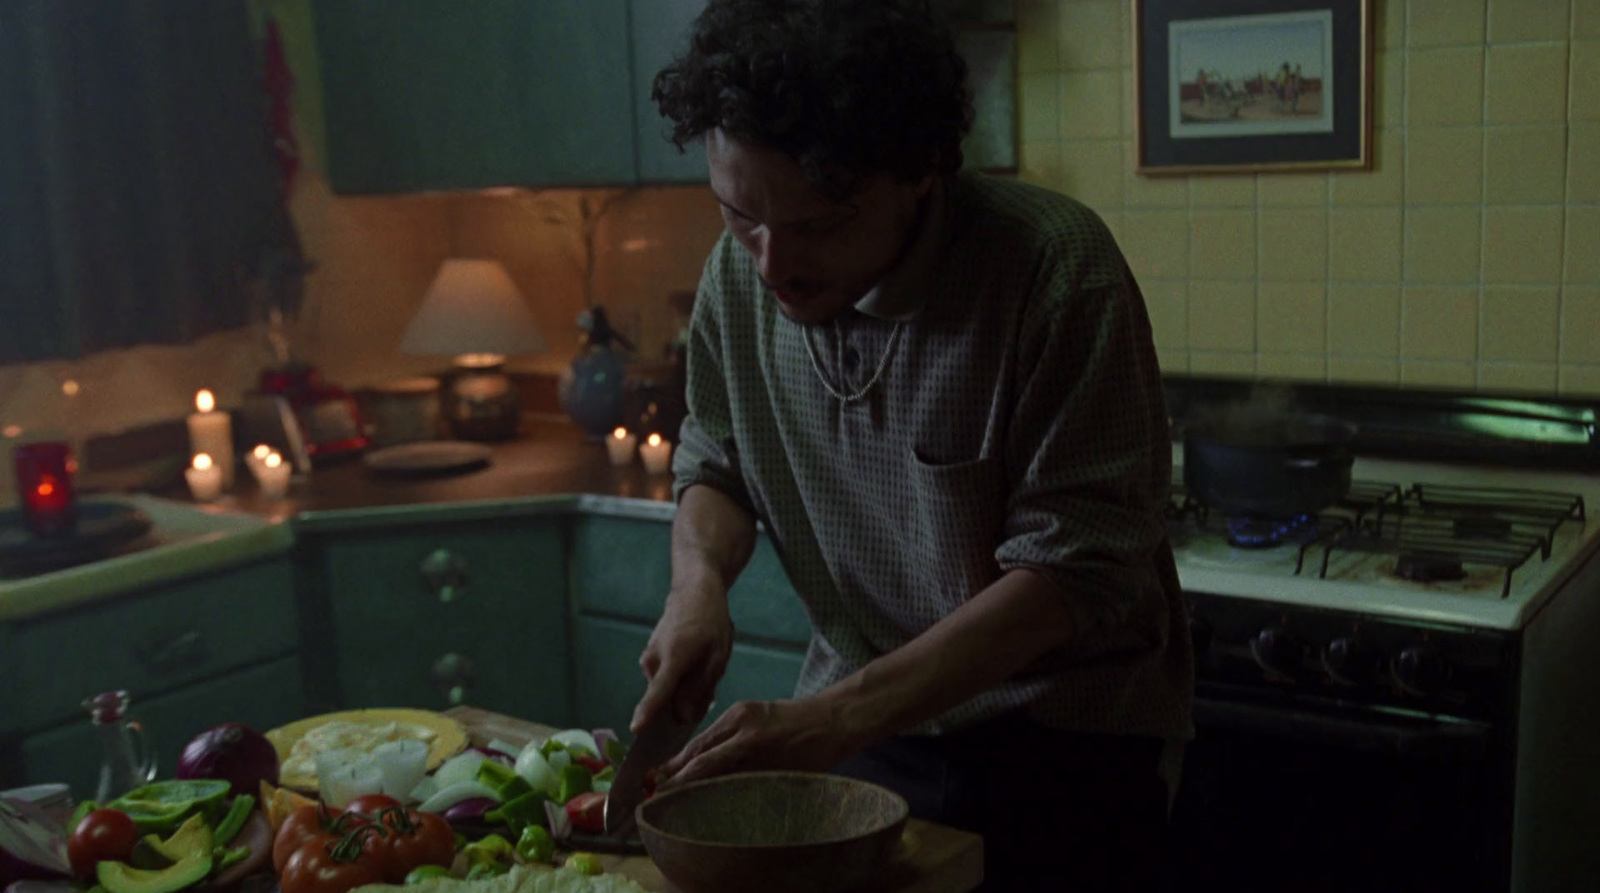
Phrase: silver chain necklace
(816, 365)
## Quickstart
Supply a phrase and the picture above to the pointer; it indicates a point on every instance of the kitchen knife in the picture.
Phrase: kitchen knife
(657, 743)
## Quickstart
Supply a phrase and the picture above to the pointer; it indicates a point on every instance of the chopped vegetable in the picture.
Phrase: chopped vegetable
(473, 810)
(450, 796)
(507, 784)
(483, 870)
(585, 863)
(489, 849)
(575, 780)
(161, 806)
(535, 844)
(238, 813)
(226, 858)
(587, 812)
(535, 768)
(426, 872)
(521, 812)
(611, 748)
(459, 768)
(577, 740)
(193, 838)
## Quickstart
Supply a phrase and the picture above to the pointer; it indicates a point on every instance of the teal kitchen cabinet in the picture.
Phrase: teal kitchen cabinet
(658, 32)
(619, 601)
(434, 614)
(439, 94)
(219, 647)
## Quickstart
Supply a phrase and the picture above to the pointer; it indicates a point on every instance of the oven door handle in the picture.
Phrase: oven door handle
(1367, 733)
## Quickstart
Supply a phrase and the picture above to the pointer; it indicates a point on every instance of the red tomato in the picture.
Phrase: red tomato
(588, 812)
(595, 765)
(371, 805)
(105, 835)
(422, 838)
(311, 821)
(328, 866)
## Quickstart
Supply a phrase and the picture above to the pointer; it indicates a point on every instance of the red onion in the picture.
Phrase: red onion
(469, 811)
(231, 752)
(31, 846)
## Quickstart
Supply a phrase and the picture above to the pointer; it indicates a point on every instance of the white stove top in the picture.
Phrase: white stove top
(1366, 583)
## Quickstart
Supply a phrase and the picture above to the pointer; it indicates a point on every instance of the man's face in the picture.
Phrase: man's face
(817, 255)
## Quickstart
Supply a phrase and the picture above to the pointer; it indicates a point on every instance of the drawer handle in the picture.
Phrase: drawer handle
(184, 651)
(453, 674)
(445, 572)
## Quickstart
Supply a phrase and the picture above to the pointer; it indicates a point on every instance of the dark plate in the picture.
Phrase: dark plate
(103, 527)
(428, 459)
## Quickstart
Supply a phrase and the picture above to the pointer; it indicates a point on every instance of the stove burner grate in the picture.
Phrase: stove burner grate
(1250, 532)
(1435, 530)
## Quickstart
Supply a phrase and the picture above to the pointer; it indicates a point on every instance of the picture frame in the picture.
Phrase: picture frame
(1252, 86)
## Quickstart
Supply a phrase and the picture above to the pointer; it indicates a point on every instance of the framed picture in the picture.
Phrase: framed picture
(1247, 86)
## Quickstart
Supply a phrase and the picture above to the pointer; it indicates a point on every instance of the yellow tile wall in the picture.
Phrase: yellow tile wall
(1469, 257)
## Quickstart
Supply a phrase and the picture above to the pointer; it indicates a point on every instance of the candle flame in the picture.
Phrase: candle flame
(202, 461)
(655, 440)
(47, 486)
(205, 401)
(620, 433)
(70, 388)
(261, 452)
(273, 460)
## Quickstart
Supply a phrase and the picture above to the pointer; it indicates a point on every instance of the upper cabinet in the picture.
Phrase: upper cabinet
(439, 94)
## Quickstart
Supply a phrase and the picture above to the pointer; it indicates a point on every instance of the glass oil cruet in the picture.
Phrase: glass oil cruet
(127, 761)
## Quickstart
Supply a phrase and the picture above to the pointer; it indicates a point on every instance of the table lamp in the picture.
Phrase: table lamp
(475, 314)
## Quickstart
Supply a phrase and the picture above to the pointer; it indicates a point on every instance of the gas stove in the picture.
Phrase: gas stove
(1395, 692)
(1467, 545)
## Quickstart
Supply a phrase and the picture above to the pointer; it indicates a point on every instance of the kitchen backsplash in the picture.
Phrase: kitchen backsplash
(1469, 257)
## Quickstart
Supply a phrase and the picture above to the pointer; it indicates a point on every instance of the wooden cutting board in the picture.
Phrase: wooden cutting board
(932, 858)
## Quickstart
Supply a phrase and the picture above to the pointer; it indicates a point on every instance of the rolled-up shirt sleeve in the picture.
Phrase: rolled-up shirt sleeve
(1088, 452)
(707, 452)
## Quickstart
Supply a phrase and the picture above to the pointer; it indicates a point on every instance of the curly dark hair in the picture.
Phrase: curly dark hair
(847, 88)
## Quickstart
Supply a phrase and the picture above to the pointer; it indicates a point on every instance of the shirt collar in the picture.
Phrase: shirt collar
(903, 291)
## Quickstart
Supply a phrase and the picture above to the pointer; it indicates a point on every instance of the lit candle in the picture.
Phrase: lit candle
(620, 446)
(657, 454)
(211, 432)
(256, 457)
(205, 478)
(273, 476)
(44, 482)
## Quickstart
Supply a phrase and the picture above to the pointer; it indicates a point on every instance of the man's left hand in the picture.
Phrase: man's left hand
(797, 735)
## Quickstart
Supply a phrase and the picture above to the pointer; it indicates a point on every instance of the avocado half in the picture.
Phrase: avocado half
(189, 849)
(119, 877)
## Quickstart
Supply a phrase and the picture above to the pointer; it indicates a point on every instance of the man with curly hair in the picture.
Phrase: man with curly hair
(938, 393)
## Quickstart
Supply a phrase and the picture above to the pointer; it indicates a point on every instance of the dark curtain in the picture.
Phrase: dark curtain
(137, 194)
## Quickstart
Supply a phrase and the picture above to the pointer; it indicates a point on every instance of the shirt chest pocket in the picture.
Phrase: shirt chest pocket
(957, 521)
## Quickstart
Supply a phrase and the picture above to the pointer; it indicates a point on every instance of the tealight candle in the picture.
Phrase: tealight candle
(44, 483)
(211, 432)
(273, 475)
(620, 446)
(657, 454)
(205, 478)
(256, 457)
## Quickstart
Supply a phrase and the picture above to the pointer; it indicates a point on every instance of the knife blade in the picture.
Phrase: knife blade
(659, 741)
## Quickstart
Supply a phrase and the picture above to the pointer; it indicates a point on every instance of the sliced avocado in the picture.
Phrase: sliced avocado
(192, 838)
(118, 877)
(146, 856)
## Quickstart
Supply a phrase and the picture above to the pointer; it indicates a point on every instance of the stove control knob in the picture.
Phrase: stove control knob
(1278, 650)
(1348, 661)
(1421, 670)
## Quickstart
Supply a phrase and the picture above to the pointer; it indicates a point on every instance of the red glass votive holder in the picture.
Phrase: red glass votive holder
(44, 483)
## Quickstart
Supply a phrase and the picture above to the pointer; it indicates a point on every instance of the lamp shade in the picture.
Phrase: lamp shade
(473, 307)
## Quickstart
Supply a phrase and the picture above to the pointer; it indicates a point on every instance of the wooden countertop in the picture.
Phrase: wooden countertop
(931, 859)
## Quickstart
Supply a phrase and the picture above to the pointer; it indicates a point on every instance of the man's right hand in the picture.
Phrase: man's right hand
(686, 657)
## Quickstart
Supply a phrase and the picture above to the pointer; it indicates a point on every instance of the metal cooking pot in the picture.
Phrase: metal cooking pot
(1278, 467)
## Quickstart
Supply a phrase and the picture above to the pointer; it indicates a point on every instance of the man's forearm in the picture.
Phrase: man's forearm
(712, 539)
(1002, 630)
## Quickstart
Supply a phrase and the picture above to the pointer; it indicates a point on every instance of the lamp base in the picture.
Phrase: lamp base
(483, 404)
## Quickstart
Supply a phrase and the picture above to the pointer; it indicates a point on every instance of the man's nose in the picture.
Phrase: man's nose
(774, 260)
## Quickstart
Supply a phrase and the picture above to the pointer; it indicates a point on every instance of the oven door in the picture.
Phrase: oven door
(1279, 794)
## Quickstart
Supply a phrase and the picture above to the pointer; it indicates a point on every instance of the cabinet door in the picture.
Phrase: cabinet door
(609, 683)
(439, 94)
(147, 642)
(659, 32)
(429, 617)
(263, 697)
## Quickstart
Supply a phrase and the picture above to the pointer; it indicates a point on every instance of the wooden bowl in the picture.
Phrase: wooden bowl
(783, 832)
